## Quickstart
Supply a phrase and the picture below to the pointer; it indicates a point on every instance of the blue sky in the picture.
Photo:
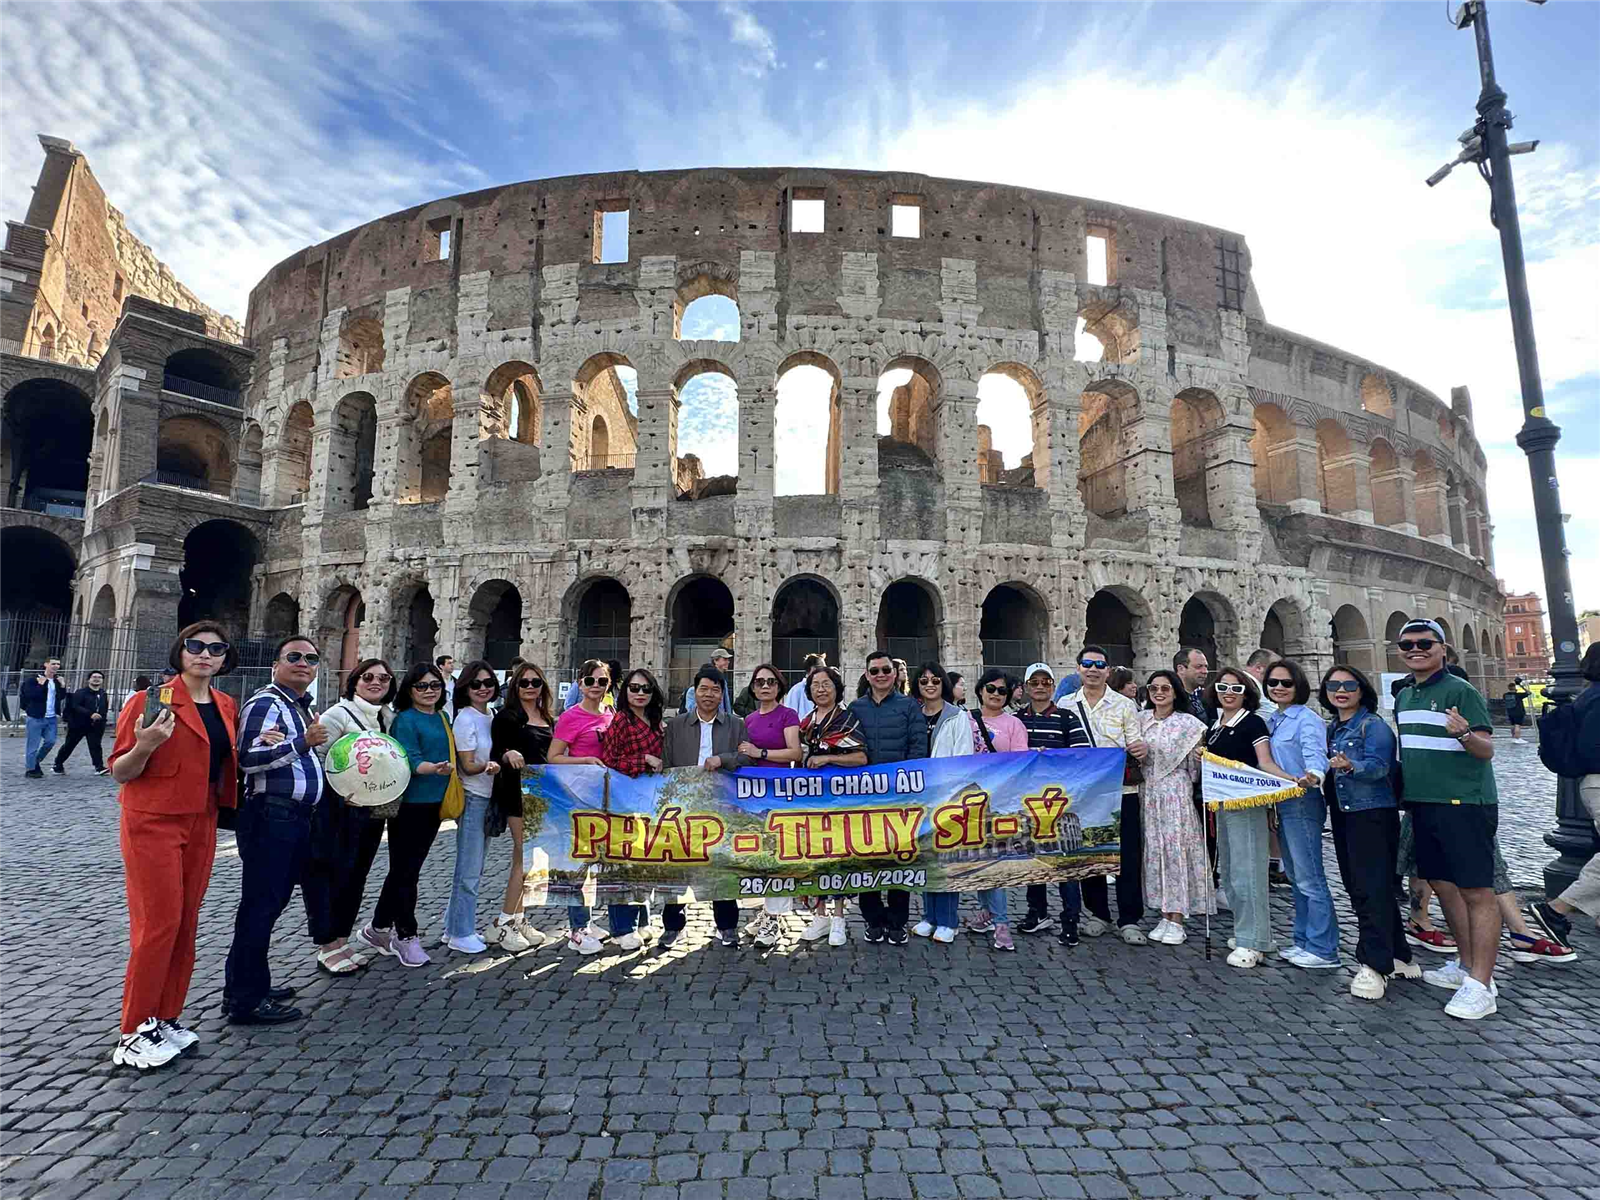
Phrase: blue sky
(233, 135)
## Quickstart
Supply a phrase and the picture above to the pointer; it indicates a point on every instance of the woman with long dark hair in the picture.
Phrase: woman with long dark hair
(1300, 747)
(949, 736)
(576, 742)
(476, 689)
(520, 737)
(995, 730)
(1177, 874)
(631, 745)
(420, 727)
(772, 738)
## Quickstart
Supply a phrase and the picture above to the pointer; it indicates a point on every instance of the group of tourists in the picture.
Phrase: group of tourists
(198, 760)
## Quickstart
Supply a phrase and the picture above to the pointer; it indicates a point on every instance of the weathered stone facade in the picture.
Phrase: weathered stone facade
(1212, 478)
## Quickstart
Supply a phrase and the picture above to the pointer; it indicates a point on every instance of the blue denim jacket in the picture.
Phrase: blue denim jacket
(1368, 742)
(1299, 743)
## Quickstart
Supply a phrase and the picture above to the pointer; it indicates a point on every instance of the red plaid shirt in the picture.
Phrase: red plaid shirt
(626, 741)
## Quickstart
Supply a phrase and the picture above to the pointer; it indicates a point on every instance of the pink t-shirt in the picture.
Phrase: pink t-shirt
(766, 729)
(581, 731)
(1008, 733)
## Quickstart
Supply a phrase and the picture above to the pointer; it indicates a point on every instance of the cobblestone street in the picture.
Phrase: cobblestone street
(857, 1073)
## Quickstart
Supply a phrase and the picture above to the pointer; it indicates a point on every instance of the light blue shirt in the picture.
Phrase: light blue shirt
(51, 690)
(1299, 741)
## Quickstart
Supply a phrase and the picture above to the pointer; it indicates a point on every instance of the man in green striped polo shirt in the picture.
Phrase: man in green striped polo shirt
(1446, 744)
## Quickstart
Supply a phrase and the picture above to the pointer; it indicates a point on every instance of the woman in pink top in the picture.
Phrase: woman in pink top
(995, 730)
(576, 742)
(773, 731)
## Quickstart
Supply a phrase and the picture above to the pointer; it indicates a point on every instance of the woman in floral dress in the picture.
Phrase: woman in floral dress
(1177, 875)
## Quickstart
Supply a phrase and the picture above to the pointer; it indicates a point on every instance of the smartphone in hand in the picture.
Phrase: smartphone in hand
(157, 700)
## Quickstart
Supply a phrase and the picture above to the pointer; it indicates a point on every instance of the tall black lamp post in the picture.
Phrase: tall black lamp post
(1485, 145)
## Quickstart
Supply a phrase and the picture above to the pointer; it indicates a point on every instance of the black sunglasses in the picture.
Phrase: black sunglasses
(532, 682)
(215, 649)
(1419, 644)
(996, 689)
(640, 689)
(1342, 685)
(483, 682)
(289, 656)
(596, 681)
(764, 681)
(1093, 664)
(371, 677)
(427, 685)
(1280, 681)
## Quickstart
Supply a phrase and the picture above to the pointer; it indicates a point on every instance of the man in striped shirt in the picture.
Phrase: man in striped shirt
(1052, 728)
(1446, 744)
(283, 782)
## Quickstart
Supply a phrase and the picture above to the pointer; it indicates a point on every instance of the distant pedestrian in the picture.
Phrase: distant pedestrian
(796, 697)
(1194, 669)
(721, 661)
(43, 700)
(1516, 701)
(86, 722)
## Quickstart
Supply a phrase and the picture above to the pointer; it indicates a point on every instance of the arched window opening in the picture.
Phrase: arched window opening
(247, 478)
(706, 310)
(1429, 489)
(601, 626)
(1109, 622)
(342, 617)
(1391, 641)
(47, 342)
(421, 631)
(1102, 460)
(907, 394)
(191, 452)
(1198, 628)
(1336, 471)
(703, 434)
(1085, 346)
(510, 402)
(203, 374)
(522, 424)
(424, 460)
(1388, 485)
(1196, 416)
(282, 616)
(599, 440)
(360, 347)
(494, 622)
(36, 570)
(908, 622)
(1284, 629)
(294, 456)
(104, 610)
(1471, 663)
(606, 386)
(1013, 429)
(1352, 642)
(218, 557)
(702, 620)
(807, 428)
(352, 453)
(1376, 398)
(1273, 451)
(99, 457)
(805, 620)
(1455, 509)
(45, 443)
(1013, 628)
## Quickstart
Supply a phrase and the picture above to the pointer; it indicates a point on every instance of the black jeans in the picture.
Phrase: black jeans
(724, 912)
(881, 915)
(1130, 876)
(411, 835)
(273, 838)
(76, 734)
(1366, 844)
(344, 841)
(1071, 901)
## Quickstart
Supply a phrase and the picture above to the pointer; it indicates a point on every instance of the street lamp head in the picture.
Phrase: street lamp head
(1441, 173)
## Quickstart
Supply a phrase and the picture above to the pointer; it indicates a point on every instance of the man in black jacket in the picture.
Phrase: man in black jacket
(86, 722)
(43, 699)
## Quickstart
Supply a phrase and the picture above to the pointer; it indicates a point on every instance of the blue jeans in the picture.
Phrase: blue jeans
(274, 839)
(41, 736)
(461, 914)
(941, 909)
(625, 918)
(994, 899)
(1244, 832)
(577, 915)
(1316, 929)
(1071, 902)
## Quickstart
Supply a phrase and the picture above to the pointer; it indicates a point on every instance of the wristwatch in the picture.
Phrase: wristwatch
(763, 754)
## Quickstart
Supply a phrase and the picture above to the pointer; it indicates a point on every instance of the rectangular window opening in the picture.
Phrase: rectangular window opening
(439, 234)
(1230, 278)
(905, 217)
(611, 219)
(807, 210)
(1095, 249)
(116, 290)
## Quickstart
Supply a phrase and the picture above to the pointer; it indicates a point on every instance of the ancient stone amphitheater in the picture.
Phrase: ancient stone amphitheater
(428, 441)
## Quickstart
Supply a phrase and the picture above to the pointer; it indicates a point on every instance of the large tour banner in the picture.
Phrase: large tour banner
(945, 824)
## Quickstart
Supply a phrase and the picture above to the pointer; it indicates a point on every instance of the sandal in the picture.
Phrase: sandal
(342, 961)
(1436, 940)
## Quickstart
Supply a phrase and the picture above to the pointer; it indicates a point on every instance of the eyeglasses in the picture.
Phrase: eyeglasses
(1424, 644)
(880, 671)
(1159, 689)
(1043, 681)
(483, 682)
(1342, 685)
(996, 689)
(1230, 689)
(930, 681)
(289, 656)
(1279, 681)
(374, 677)
(1093, 664)
(427, 685)
(639, 689)
(764, 681)
(215, 649)
(533, 683)
(596, 681)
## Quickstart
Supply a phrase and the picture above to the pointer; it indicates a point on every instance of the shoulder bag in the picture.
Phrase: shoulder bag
(455, 792)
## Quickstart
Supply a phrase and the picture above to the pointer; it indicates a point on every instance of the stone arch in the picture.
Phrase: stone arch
(1449, 630)
(46, 441)
(47, 341)
(808, 389)
(1336, 477)
(1471, 662)
(361, 349)
(352, 453)
(597, 614)
(1352, 640)
(511, 402)
(294, 455)
(1011, 385)
(598, 388)
(700, 617)
(218, 558)
(1196, 415)
(706, 280)
(1428, 487)
(1106, 407)
(342, 615)
(1210, 622)
(909, 390)
(425, 441)
(203, 373)
(805, 620)
(1388, 485)
(99, 456)
(705, 402)
(1377, 396)
(281, 617)
(493, 625)
(1286, 630)
(1272, 447)
(194, 452)
(1391, 637)
(37, 568)
(1014, 627)
(599, 442)
(104, 609)
(1117, 617)
(910, 620)
(418, 624)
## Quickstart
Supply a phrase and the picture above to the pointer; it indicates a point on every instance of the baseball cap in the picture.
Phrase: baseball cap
(1036, 668)
(1423, 625)
(721, 652)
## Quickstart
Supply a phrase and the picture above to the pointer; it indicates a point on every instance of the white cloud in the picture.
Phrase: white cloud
(820, 65)
(754, 37)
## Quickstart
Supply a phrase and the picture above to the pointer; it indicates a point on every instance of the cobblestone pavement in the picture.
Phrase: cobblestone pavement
(858, 1073)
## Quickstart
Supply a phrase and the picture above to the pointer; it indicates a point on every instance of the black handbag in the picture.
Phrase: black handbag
(494, 821)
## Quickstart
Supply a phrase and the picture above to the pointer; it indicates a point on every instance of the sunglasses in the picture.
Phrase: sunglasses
(1159, 689)
(1342, 685)
(532, 683)
(1230, 689)
(1093, 664)
(996, 689)
(1280, 682)
(373, 677)
(427, 685)
(215, 649)
(1409, 645)
(766, 681)
(639, 689)
(880, 671)
(290, 656)
(596, 681)
(482, 682)
(930, 681)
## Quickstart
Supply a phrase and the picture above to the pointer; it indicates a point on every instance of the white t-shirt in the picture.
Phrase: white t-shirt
(472, 734)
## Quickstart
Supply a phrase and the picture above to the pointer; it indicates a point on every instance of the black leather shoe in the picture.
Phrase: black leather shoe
(280, 994)
(268, 1012)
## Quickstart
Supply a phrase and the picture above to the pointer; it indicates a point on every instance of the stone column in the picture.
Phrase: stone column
(1294, 464)
(1433, 516)
(1230, 478)
(955, 415)
(1399, 485)
(858, 470)
(1350, 478)
(1456, 508)
(757, 446)
(1147, 443)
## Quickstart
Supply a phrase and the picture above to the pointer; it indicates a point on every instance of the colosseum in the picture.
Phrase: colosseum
(456, 428)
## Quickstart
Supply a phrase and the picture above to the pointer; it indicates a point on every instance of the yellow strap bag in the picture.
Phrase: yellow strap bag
(455, 792)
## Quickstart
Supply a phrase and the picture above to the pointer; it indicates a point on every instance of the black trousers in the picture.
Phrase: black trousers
(411, 835)
(881, 914)
(1130, 878)
(273, 838)
(78, 733)
(724, 912)
(1367, 844)
(344, 841)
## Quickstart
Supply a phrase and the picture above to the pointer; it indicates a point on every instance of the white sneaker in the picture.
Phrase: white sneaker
(629, 941)
(184, 1039)
(1406, 970)
(1449, 976)
(1368, 985)
(1471, 1002)
(1308, 961)
(1159, 933)
(471, 944)
(1245, 959)
(1093, 926)
(923, 929)
(944, 935)
(144, 1048)
(1177, 935)
(510, 935)
(1134, 936)
(1291, 955)
(768, 930)
(817, 928)
(582, 942)
(836, 931)
(598, 932)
